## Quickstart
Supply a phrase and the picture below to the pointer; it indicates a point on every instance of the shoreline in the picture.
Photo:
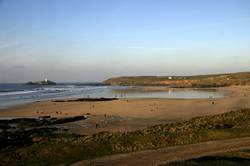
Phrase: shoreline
(138, 113)
(225, 90)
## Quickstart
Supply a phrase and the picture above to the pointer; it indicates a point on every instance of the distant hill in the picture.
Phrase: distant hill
(198, 81)
(44, 82)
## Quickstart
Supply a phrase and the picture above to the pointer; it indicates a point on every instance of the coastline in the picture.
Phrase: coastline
(132, 114)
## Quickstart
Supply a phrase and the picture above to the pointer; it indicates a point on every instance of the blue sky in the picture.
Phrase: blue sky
(91, 40)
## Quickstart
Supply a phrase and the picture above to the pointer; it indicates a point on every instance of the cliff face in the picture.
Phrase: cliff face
(199, 81)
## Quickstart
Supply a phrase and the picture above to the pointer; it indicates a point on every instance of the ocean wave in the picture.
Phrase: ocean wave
(15, 93)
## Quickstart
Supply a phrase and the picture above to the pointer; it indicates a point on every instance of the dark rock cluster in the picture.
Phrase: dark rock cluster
(25, 131)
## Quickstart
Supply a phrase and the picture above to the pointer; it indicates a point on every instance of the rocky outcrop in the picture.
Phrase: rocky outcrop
(44, 82)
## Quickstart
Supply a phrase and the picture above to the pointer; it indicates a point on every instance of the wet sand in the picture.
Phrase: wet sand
(131, 114)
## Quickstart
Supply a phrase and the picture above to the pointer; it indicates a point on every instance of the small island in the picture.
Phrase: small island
(44, 82)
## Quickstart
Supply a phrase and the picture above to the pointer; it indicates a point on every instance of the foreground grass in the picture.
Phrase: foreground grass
(239, 158)
(214, 161)
(53, 149)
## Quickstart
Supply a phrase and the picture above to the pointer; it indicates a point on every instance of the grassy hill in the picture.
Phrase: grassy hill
(198, 81)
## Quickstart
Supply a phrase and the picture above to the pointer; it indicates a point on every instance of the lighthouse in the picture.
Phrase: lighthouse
(46, 80)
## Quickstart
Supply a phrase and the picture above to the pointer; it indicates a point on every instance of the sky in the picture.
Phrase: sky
(92, 40)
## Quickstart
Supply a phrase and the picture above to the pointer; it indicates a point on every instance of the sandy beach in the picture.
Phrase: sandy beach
(131, 114)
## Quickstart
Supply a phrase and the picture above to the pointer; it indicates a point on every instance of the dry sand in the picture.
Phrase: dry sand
(132, 114)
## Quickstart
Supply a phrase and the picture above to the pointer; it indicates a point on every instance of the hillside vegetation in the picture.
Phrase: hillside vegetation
(198, 81)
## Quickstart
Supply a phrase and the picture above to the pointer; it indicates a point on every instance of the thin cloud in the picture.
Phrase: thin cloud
(19, 67)
(8, 44)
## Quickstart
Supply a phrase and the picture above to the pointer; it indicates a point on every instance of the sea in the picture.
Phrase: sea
(15, 94)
